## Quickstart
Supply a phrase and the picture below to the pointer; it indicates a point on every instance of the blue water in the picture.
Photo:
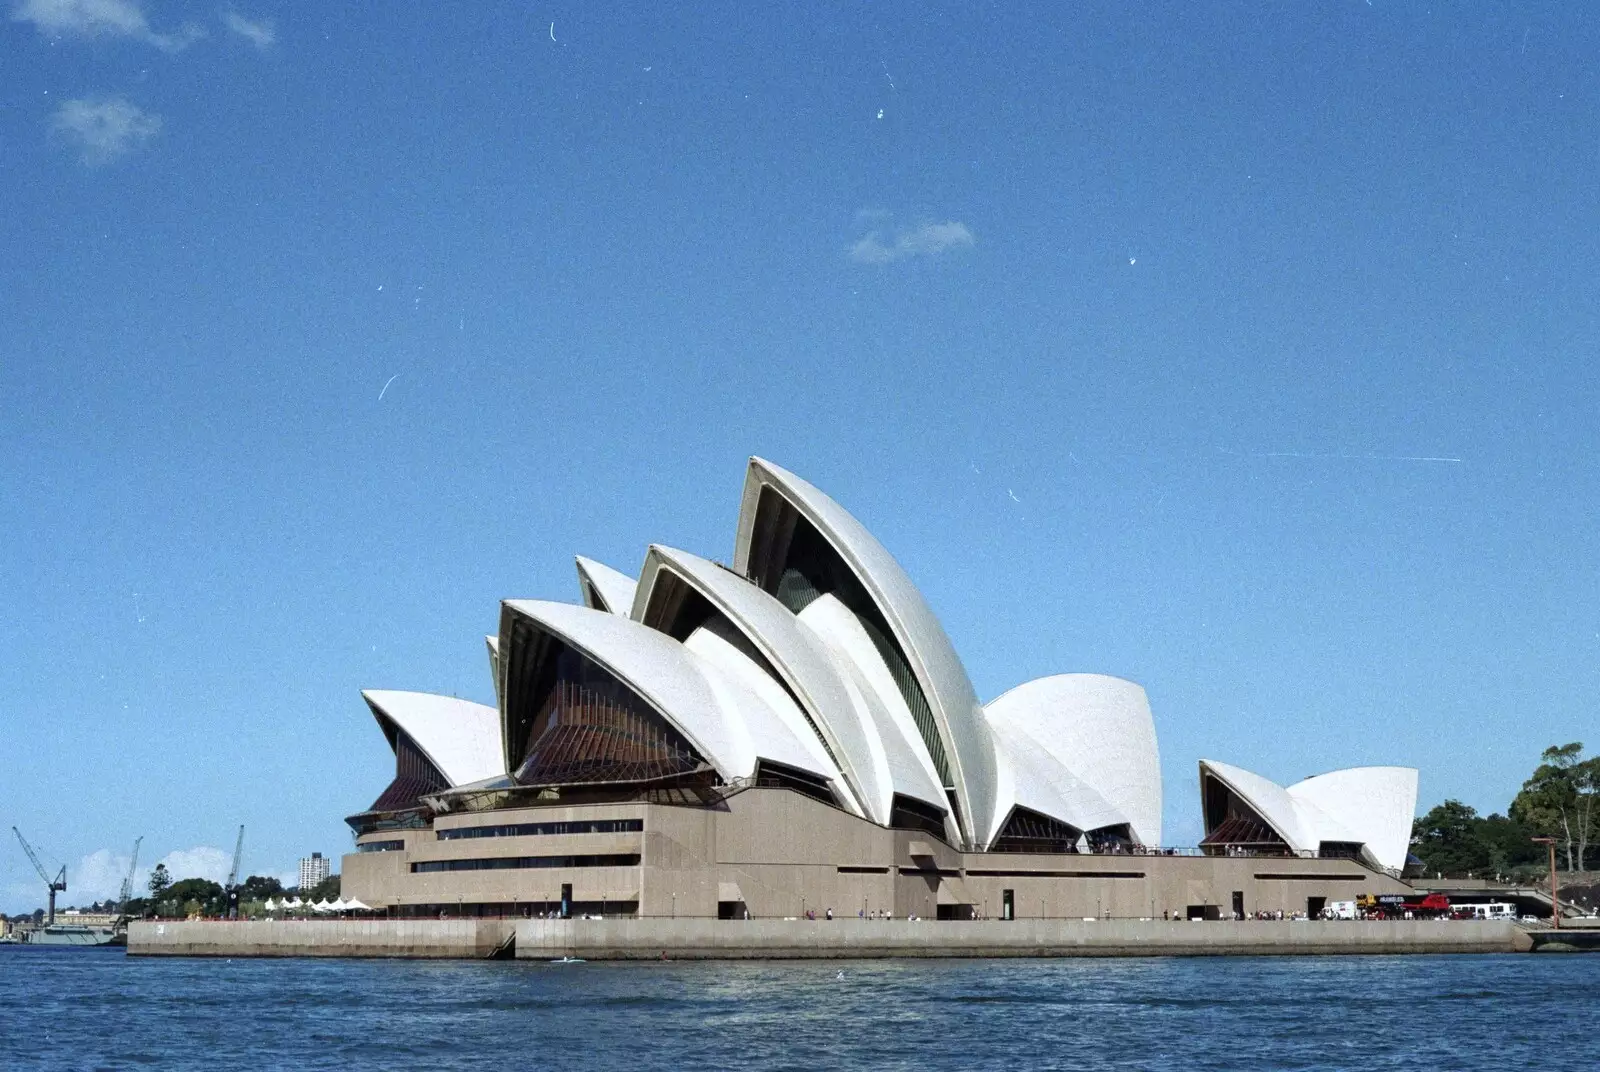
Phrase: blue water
(97, 1009)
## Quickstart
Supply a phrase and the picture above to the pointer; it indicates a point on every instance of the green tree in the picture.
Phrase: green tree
(159, 881)
(1508, 843)
(327, 889)
(259, 888)
(1559, 801)
(1448, 840)
(195, 895)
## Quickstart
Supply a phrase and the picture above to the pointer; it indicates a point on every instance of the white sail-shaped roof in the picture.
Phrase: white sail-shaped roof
(932, 658)
(604, 588)
(765, 721)
(460, 738)
(726, 722)
(493, 644)
(1369, 806)
(900, 760)
(1378, 803)
(1099, 731)
(793, 654)
(1029, 776)
(1265, 797)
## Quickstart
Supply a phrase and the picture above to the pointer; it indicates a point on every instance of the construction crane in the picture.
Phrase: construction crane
(127, 882)
(231, 890)
(55, 885)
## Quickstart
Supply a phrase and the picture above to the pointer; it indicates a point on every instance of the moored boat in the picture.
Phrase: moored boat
(76, 934)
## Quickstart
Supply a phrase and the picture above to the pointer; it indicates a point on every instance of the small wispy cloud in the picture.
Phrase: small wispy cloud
(104, 128)
(926, 240)
(259, 32)
(101, 18)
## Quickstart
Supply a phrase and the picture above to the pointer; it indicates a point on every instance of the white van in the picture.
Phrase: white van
(1493, 910)
(1342, 910)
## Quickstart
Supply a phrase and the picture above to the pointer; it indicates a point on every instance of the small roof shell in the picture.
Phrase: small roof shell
(459, 737)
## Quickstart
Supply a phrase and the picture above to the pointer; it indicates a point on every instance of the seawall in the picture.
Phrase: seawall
(468, 938)
(709, 939)
(628, 939)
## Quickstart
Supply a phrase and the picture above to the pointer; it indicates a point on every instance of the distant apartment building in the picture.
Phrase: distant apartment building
(313, 869)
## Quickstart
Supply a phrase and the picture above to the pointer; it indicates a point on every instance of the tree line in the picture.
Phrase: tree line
(202, 897)
(1560, 800)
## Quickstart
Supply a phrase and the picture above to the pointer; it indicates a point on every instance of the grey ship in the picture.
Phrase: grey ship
(76, 934)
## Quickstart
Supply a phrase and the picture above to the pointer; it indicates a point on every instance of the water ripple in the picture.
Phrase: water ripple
(71, 1009)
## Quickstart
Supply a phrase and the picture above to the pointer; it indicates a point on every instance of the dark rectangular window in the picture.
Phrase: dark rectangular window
(863, 870)
(575, 826)
(518, 863)
(974, 873)
(380, 846)
(1314, 878)
(512, 910)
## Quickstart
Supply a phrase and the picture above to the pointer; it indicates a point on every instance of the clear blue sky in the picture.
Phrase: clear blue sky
(1120, 325)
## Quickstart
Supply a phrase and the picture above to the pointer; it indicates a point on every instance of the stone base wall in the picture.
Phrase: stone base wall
(465, 938)
(690, 939)
(649, 939)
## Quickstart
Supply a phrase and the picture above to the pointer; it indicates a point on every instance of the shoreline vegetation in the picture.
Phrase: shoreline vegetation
(1560, 800)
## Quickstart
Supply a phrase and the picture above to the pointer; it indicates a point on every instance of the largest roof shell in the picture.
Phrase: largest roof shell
(938, 670)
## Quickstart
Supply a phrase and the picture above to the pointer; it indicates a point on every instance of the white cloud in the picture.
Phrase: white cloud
(202, 861)
(922, 241)
(98, 877)
(104, 128)
(101, 18)
(259, 32)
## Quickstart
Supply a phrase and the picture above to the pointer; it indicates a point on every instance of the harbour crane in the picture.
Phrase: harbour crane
(54, 885)
(231, 890)
(127, 883)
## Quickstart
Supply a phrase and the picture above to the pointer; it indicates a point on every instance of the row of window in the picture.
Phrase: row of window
(518, 863)
(380, 846)
(583, 826)
(512, 909)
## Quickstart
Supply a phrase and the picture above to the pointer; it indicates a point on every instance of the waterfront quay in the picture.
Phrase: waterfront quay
(712, 939)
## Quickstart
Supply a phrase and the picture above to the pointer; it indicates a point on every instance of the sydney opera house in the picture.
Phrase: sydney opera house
(795, 733)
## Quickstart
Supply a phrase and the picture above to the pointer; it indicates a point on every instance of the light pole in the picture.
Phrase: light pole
(1555, 905)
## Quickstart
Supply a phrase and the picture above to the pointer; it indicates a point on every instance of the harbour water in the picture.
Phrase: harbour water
(98, 1009)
